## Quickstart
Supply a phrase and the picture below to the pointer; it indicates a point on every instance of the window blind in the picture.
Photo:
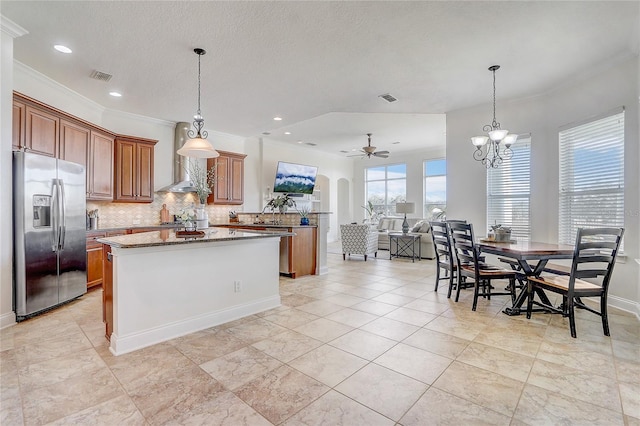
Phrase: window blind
(509, 189)
(591, 176)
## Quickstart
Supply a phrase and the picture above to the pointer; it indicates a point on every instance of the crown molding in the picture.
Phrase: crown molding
(11, 28)
(139, 118)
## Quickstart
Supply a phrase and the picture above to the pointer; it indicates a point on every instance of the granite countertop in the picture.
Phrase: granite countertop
(168, 237)
(124, 228)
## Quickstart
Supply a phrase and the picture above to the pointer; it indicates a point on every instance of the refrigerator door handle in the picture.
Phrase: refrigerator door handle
(63, 219)
(55, 218)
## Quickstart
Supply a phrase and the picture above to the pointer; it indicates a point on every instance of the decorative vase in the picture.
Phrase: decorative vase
(304, 221)
(189, 225)
(282, 209)
(202, 218)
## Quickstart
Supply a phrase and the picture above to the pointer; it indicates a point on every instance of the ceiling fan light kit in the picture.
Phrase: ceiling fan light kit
(369, 150)
(494, 155)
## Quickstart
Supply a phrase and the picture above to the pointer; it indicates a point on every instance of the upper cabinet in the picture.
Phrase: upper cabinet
(48, 131)
(42, 132)
(100, 170)
(134, 170)
(17, 141)
(229, 187)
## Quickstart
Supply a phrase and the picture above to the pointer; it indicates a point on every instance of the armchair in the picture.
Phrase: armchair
(358, 239)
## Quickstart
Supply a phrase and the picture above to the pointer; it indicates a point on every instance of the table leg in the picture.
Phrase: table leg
(522, 296)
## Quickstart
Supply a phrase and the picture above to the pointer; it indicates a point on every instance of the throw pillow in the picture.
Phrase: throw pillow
(417, 226)
(425, 228)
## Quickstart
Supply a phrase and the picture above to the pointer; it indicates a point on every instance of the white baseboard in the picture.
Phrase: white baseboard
(625, 305)
(129, 343)
(7, 320)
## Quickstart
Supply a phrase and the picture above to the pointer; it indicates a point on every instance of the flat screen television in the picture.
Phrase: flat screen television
(295, 178)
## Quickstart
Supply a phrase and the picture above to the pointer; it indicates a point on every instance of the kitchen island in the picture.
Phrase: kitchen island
(159, 286)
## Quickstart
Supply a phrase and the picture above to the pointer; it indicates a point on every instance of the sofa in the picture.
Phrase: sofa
(394, 224)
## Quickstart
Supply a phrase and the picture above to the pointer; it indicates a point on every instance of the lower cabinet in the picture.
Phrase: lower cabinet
(94, 259)
(298, 253)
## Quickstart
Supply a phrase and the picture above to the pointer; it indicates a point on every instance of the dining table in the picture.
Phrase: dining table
(531, 258)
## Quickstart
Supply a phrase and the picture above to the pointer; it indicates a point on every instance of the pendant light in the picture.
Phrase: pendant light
(198, 145)
(494, 154)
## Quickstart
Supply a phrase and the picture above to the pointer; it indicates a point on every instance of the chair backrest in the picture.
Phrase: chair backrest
(442, 245)
(595, 254)
(463, 243)
(362, 239)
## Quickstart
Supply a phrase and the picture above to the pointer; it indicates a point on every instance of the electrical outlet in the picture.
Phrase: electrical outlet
(237, 287)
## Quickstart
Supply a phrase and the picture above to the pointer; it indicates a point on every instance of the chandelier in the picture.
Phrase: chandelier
(494, 154)
(198, 145)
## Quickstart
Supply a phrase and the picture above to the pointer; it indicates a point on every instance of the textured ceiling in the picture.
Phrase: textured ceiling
(320, 65)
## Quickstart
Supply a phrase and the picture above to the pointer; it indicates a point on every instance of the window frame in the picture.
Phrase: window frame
(428, 207)
(580, 179)
(517, 193)
(387, 208)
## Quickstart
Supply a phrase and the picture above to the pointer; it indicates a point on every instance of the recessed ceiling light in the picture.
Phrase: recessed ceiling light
(61, 48)
(353, 149)
(299, 141)
(287, 133)
(115, 94)
(277, 118)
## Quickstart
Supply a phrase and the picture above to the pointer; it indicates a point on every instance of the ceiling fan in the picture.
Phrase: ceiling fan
(371, 150)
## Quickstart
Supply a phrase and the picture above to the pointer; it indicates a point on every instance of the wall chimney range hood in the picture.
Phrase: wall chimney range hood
(181, 181)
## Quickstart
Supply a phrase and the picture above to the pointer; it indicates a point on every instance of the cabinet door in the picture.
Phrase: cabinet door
(94, 260)
(144, 170)
(125, 181)
(221, 190)
(100, 172)
(236, 184)
(74, 143)
(17, 140)
(42, 132)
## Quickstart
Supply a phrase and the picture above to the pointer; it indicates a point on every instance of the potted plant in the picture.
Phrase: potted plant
(304, 215)
(370, 211)
(281, 202)
(202, 180)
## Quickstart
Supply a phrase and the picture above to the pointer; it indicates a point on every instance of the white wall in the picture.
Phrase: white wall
(8, 31)
(332, 166)
(415, 178)
(585, 96)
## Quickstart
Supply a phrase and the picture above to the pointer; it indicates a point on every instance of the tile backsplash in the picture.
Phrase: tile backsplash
(117, 215)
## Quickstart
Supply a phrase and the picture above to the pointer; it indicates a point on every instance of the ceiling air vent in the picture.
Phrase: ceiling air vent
(311, 143)
(387, 97)
(102, 76)
(266, 133)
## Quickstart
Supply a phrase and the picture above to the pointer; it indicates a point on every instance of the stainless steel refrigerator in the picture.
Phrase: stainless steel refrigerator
(49, 232)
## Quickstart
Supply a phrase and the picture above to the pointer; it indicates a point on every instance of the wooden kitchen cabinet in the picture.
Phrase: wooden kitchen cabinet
(94, 259)
(298, 252)
(41, 131)
(100, 170)
(134, 170)
(18, 127)
(229, 187)
(74, 143)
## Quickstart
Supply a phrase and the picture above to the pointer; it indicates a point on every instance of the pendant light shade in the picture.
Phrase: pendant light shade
(198, 146)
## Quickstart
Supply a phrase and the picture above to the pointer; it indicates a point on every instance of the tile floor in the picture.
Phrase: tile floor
(370, 343)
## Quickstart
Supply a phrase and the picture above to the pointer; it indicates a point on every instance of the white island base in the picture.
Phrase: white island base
(166, 291)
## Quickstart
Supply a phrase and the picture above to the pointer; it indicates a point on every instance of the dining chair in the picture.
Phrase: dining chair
(445, 259)
(471, 266)
(594, 257)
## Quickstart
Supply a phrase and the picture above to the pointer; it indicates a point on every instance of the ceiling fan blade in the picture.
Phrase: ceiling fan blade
(381, 154)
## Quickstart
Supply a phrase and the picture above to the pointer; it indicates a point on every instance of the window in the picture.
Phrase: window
(435, 187)
(508, 191)
(591, 175)
(386, 185)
